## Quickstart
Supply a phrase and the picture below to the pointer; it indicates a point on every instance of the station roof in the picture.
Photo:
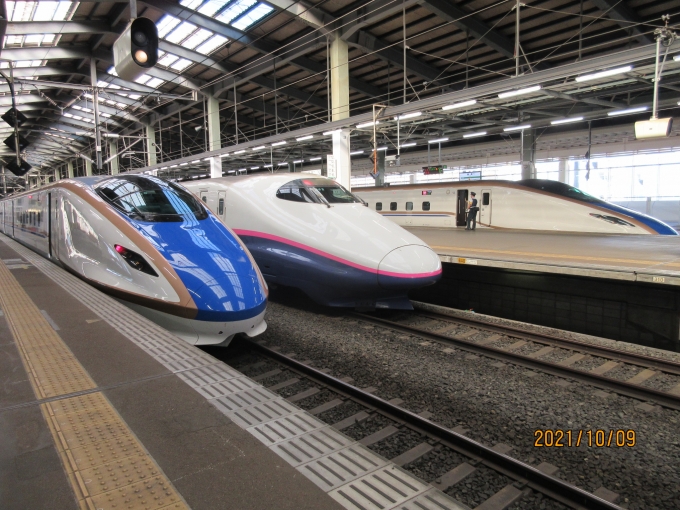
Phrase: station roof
(267, 63)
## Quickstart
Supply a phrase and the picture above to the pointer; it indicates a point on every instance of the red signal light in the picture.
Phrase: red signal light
(120, 249)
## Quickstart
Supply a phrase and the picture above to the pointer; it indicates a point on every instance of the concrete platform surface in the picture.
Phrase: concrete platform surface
(643, 258)
(103, 409)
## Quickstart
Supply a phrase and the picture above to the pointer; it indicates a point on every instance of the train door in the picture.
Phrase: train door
(221, 199)
(485, 207)
(55, 223)
(461, 206)
(204, 195)
(49, 225)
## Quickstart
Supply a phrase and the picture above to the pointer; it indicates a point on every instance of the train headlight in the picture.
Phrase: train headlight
(135, 260)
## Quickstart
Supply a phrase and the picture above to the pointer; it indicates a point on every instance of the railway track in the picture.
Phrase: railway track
(570, 359)
(307, 381)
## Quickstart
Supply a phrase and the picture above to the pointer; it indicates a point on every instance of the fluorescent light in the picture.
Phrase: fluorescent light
(566, 121)
(460, 105)
(298, 161)
(412, 144)
(408, 116)
(259, 148)
(231, 172)
(164, 168)
(195, 161)
(604, 74)
(473, 135)
(182, 164)
(240, 152)
(328, 133)
(207, 159)
(283, 163)
(224, 155)
(677, 57)
(254, 167)
(438, 140)
(381, 148)
(242, 170)
(303, 138)
(368, 124)
(267, 166)
(628, 110)
(355, 153)
(276, 144)
(517, 128)
(173, 166)
(519, 92)
(314, 159)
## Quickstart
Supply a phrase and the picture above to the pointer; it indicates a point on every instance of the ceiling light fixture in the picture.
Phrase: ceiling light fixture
(519, 92)
(460, 105)
(382, 148)
(303, 138)
(328, 133)
(473, 135)
(240, 152)
(276, 144)
(566, 121)
(517, 128)
(224, 155)
(637, 109)
(298, 161)
(368, 124)
(355, 153)
(315, 159)
(258, 148)
(438, 140)
(412, 144)
(408, 116)
(254, 167)
(604, 74)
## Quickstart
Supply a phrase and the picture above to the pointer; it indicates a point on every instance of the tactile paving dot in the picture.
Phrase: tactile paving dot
(78, 404)
(93, 433)
(85, 419)
(119, 473)
(154, 493)
(104, 452)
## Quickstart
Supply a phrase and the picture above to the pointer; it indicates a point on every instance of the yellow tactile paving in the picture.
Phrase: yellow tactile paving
(107, 466)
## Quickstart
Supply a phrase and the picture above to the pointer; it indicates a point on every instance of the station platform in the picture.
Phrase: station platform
(102, 409)
(635, 258)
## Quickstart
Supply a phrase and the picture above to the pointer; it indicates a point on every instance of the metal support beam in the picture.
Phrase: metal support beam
(339, 78)
(151, 144)
(113, 157)
(214, 138)
(617, 11)
(95, 101)
(528, 153)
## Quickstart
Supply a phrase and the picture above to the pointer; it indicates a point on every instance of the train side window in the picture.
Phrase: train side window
(486, 198)
(220, 207)
(393, 206)
(409, 206)
(38, 217)
(426, 206)
(378, 206)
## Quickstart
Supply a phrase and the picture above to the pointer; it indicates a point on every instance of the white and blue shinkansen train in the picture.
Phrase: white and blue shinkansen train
(152, 245)
(531, 204)
(310, 233)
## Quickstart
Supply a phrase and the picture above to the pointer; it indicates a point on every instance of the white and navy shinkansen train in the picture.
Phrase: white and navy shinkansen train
(531, 204)
(150, 244)
(311, 233)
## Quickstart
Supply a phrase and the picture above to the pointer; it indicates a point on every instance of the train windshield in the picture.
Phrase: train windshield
(559, 188)
(150, 199)
(317, 191)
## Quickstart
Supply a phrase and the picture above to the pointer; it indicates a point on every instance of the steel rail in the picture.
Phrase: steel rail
(551, 486)
(632, 358)
(621, 387)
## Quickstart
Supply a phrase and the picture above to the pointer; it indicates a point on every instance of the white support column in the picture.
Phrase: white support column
(339, 78)
(341, 157)
(88, 167)
(151, 145)
(562, 174)
(57, 174)
(214, 139)
(69, 167)
(528, 151)
(113, 154)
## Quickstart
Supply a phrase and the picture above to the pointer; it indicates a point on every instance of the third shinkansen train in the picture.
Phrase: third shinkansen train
(531, 204)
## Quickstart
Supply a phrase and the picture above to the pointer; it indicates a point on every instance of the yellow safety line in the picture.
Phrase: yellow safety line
(105, 463)
(555, 255)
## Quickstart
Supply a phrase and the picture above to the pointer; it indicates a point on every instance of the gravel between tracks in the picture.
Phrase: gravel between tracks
(496, 402)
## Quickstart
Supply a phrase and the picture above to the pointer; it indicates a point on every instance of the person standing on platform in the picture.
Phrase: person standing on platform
(472, 213)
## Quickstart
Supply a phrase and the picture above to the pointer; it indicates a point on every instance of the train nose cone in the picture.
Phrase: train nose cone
(233, 298)
(408, 267)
